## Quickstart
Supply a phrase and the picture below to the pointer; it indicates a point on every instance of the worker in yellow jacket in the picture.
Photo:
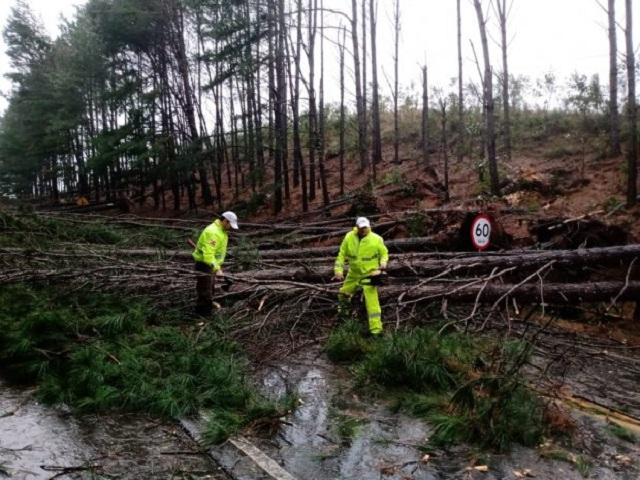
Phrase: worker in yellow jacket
(366, 253)
(209, 255)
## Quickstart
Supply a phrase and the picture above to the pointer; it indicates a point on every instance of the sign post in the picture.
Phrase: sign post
(481, 232)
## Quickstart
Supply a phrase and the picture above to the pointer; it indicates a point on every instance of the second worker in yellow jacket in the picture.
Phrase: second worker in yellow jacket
(365, 252)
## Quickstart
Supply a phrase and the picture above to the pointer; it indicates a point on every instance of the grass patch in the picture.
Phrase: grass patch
(469, 388)
(622, 433)
(97, 353)
(346, 344)
(553, 454)
(584, 465)
(346, 427)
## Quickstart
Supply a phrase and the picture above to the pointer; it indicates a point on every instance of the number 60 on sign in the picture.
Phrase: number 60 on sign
(481, 232)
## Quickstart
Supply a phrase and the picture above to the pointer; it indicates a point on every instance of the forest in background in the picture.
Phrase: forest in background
(189, 103)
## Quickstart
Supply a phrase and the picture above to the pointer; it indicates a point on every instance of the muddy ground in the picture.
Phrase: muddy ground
(334, 434)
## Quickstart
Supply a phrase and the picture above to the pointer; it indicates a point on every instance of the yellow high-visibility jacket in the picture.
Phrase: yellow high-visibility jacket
(212, 246)
(364, 255)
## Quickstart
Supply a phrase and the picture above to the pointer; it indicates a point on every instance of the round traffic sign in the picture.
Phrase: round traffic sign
(481, 232)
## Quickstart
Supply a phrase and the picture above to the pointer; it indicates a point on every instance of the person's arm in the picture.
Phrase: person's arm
(338, 268)
(384, 255)
(220, 253)
(211, 250)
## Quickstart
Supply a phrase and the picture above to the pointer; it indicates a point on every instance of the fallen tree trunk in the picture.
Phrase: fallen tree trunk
(531, 293)
(179, 281)
(560, 258)
(395, 246)
(465, 264)
(301, 268)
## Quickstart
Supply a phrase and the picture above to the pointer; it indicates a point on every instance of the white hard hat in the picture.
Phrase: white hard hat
(362, 222)
(233, 219)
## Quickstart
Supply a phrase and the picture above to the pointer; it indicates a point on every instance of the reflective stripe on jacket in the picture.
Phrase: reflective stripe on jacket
(363, 255)
(212, 246)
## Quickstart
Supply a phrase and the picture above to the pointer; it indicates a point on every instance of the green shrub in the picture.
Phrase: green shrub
(96, 233)
(469, 388)
(97, 353)
(612, 204)
(415, 224)
(246, 253)
(346, 343)
(255, 202)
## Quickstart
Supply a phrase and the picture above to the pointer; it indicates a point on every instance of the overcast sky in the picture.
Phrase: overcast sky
(563, 36)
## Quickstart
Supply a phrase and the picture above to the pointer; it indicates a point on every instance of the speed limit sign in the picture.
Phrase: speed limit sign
(481, 232)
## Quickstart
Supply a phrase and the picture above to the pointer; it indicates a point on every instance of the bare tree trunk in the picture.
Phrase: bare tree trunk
(282, 98)
(234, 138)
(220, 144)
(295, 107)
(460, 141)
(425, 118)
(362, 145)
(250, 111)
(396, 59)
(187, 100)
(375, 105)
(247, 144)
(341, 47)
(293, 81)
(323, 172)
(280, 103)
(632, 154)
(364, 71)
(257, 106)
(488, 104)
(272, 35)
(502, 16)
(445, 147)
(313, 114)
(614, 116)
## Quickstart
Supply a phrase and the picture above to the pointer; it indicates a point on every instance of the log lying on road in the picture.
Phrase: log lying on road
(179, 283)
(464, 264)
(560, 258)
(558, 293)
(395, 246)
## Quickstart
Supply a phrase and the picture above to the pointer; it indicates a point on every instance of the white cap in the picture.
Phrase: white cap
(362, 222)
(233, 219)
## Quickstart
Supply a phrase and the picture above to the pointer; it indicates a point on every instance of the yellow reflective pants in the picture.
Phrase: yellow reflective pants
(374, 312)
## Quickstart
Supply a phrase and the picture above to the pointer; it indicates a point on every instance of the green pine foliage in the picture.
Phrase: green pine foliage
(622, 433)
(27, 229)
(346, 344)
(96, 353)
(246, 253)
(469, 388)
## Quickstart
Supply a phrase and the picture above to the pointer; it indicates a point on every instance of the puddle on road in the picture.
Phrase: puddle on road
(38, 442)
(335, 434)
(33, 438)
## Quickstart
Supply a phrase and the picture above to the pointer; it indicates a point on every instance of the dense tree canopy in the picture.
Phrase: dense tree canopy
(183, 100)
